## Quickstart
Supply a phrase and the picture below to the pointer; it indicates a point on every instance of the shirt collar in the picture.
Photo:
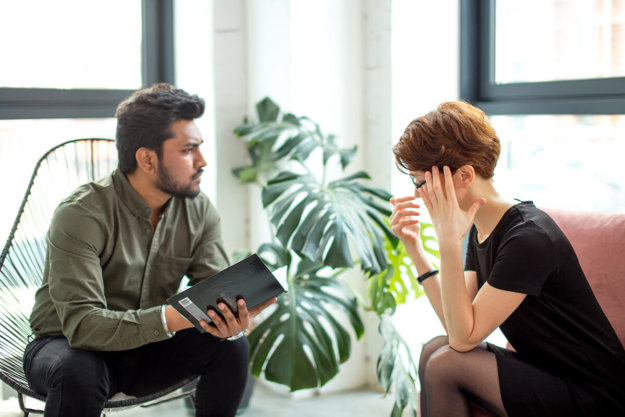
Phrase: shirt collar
(129, 195)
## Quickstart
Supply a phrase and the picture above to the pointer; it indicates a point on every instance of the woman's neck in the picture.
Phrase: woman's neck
(489, 215)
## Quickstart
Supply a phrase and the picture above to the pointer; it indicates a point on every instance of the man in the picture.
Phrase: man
(117, 249)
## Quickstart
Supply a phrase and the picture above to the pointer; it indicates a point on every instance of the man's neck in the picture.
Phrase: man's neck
(154, 197)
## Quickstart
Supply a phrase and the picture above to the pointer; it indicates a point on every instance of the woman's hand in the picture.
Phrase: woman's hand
(405, 220)
(450, 221)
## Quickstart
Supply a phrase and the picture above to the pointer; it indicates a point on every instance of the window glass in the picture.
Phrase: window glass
(44, 44)
(565, 161)
(549, 40)
(23, 142)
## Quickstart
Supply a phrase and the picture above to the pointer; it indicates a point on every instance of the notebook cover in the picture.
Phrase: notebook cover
(249, 278)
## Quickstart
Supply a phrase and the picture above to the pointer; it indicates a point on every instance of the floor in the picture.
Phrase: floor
(266, 402)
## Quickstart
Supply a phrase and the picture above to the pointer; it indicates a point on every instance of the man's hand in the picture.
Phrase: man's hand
(230, 325)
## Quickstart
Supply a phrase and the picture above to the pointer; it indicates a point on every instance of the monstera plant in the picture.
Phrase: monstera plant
(324, 223)
(321, 227)
(396, 369)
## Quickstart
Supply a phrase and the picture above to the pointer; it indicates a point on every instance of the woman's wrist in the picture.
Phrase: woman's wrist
(426, 275)
(420, 259)
(451, 248)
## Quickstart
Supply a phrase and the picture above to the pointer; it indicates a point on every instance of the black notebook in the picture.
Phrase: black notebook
(249, 278)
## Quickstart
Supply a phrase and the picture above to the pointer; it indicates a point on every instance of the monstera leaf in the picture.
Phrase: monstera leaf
(301, 343)
(396, 369)
(274, 139)
(324, 223)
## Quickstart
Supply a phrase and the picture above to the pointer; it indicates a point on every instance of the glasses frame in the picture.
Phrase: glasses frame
(416, 186)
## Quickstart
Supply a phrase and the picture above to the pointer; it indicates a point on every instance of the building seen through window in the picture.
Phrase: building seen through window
(550, 40)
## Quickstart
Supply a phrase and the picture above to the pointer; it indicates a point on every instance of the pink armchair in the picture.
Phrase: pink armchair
(599, 241)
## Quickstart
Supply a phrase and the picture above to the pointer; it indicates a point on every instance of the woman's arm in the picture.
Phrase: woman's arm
(468, 320)
(405, 225)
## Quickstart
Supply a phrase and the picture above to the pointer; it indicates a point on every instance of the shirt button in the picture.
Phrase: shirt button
(156, 332)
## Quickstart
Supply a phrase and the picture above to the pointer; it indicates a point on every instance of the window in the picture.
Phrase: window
(551, 74)
(71, 58)
(66, 65)
(544, 56)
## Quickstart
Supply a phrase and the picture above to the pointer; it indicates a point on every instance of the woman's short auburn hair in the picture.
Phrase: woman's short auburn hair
(455, 134)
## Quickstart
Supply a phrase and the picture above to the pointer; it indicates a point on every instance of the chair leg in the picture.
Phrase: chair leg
(20, 400)
(26, 411)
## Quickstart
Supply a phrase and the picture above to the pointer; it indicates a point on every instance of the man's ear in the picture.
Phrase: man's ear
(464, 176)
(147, 160)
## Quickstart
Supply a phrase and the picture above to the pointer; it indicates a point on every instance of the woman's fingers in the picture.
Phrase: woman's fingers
(449, 186)
(398, 200)
(404, 208)
(426, 192)
(437, 186)
(406, 215)
(474, 208)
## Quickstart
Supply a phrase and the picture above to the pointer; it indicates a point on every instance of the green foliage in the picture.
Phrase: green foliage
(394, 286)
(294, 346)
(320, 229)
(274, 140)
(396, 369)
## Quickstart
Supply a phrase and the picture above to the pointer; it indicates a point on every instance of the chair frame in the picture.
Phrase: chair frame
(19, 383)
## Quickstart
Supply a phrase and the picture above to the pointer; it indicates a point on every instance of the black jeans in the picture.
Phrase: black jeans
(77, 382)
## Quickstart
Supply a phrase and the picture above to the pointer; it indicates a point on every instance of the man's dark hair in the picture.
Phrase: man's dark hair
(144, 120)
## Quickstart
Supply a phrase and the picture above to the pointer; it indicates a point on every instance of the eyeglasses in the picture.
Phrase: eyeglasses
(416, 186)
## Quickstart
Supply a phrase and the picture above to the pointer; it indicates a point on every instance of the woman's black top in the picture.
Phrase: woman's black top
(559, 327)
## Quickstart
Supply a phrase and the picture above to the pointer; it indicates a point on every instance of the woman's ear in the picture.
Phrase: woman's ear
(147, 160)
(464, 176)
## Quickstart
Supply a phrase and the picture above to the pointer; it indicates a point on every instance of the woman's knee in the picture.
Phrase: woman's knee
(433, 345)
(430, 347)
(441, 364)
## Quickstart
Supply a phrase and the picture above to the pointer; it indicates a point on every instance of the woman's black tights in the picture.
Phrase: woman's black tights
(452, 380)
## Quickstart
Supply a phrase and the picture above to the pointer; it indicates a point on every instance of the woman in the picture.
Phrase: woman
(520, 274)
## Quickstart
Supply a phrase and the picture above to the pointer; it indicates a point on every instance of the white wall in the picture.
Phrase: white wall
(362, 69)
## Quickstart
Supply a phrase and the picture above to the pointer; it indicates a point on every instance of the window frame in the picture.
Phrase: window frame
(157, 64)
(477, 77)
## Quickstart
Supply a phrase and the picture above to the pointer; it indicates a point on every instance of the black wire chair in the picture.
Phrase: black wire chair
(57, 173)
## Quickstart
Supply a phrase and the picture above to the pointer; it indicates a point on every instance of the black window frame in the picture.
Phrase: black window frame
(477, 77)
(157, 65)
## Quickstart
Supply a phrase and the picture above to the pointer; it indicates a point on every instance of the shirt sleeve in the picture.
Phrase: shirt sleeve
(525, 261)
(75, 240)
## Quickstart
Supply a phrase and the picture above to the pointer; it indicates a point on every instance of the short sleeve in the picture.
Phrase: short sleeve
(525, 261)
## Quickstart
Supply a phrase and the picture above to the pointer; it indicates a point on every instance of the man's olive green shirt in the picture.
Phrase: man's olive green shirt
(108, 271)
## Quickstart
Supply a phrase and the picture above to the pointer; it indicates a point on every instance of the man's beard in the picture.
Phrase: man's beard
(167, 184)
